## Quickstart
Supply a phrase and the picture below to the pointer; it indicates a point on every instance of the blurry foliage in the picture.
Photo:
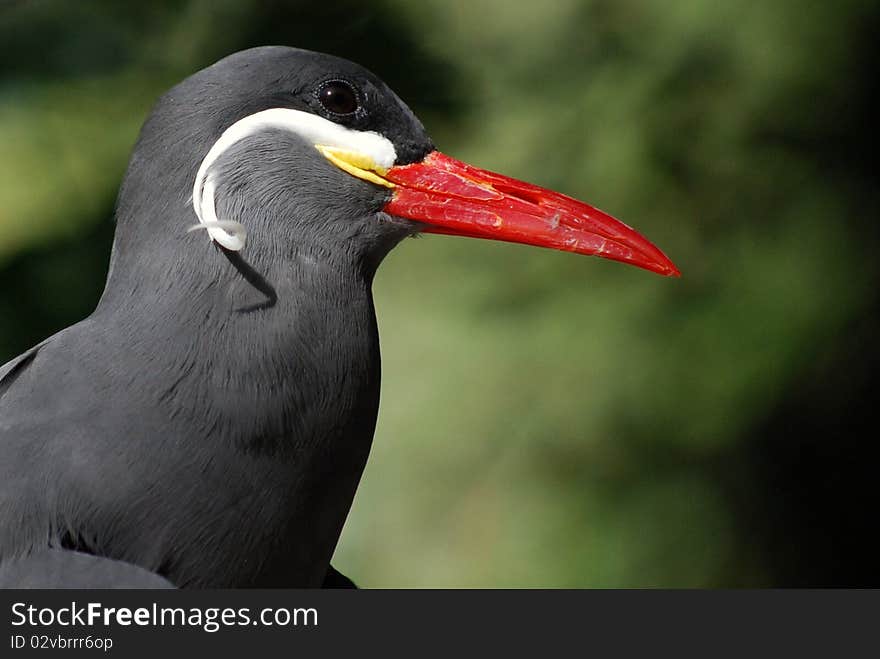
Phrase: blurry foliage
(546, 420)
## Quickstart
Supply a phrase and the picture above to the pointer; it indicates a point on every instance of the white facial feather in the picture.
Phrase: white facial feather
(314, 129)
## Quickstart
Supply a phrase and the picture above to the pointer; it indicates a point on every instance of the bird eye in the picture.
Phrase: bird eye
(338, 97)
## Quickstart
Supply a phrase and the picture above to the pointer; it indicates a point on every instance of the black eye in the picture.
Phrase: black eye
(338, 97)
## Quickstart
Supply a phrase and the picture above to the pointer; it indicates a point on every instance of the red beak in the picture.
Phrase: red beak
(454, 198)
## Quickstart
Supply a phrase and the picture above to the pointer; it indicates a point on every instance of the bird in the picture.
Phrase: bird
(208, 424)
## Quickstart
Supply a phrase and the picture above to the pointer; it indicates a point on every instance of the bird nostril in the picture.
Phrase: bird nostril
(528, 196)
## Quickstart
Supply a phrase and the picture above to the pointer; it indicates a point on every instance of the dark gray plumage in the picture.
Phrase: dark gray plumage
(210, 421)
(60, 568)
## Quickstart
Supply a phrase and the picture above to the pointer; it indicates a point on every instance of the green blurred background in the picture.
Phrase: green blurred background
(546, 419)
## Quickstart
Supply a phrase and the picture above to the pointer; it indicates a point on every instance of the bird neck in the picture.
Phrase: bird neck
(263, 381)
(273, 360)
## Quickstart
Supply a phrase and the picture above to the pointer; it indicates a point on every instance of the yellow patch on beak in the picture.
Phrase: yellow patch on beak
(356, 164)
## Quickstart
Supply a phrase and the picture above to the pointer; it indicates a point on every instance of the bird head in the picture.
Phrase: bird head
(277, 152)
